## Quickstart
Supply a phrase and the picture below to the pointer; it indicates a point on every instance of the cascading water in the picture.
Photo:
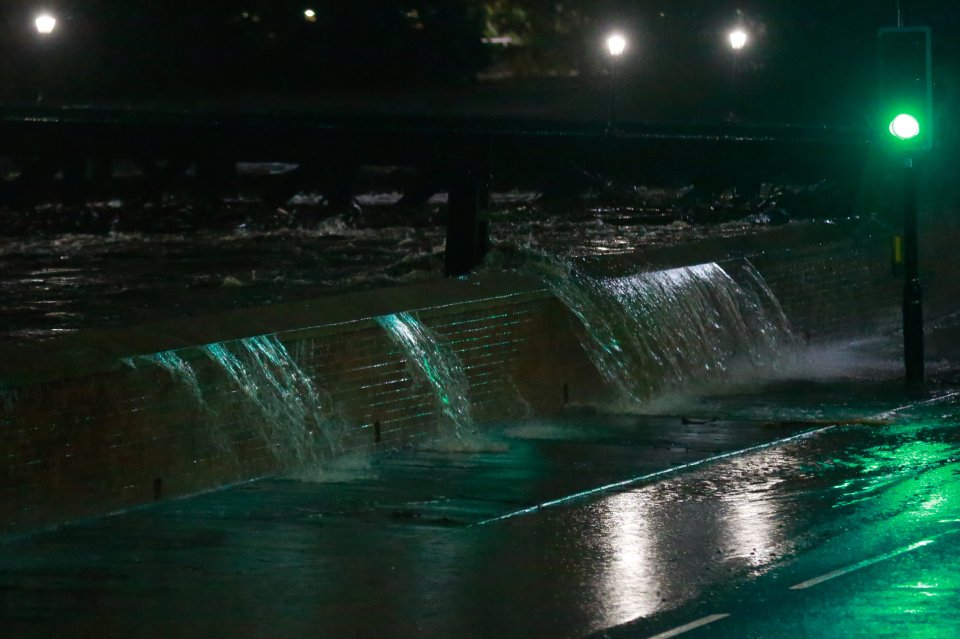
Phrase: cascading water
(437, 363)
(294, 418)
(180, 370)
(650, 332)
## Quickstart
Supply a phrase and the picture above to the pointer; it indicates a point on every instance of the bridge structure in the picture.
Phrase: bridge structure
(75, 148)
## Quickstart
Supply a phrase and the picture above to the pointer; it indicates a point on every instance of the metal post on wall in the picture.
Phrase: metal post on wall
(913, 354)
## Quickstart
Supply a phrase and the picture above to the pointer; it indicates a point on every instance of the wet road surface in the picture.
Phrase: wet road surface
(875, 545)
(512, 538)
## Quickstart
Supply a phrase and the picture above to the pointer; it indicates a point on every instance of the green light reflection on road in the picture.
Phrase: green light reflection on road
(883, 468)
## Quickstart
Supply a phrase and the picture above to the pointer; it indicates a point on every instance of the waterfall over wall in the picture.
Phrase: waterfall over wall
(295, 420)
(293, 417)
(180, 370)
(437, 364)
(652, 332)
(647, 333)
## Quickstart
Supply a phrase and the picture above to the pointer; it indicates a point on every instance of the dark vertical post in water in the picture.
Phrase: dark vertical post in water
(467, 227)
(338, 183)
(912, 292)
(483, 218)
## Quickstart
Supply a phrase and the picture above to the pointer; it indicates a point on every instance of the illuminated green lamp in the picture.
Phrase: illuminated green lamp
(905, 127)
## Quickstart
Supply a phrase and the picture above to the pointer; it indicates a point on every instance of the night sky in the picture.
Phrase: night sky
(161, 49)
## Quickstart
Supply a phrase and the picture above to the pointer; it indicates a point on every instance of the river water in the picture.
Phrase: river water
(114, 264)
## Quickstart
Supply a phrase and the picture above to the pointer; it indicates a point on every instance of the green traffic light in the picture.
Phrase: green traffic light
(905, 127)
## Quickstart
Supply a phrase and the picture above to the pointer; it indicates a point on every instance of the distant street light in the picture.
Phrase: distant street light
(310, 15)
(45, 24)
(616, 47)
(738, 39)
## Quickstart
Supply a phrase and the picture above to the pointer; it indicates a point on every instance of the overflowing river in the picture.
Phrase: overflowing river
(112, 265)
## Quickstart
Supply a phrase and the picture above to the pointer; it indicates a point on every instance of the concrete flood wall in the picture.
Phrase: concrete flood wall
(848, 285)
(102, 441)
(834, 288)
(83, 434)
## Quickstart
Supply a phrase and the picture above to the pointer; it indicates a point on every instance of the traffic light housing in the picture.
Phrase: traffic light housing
(906, 88)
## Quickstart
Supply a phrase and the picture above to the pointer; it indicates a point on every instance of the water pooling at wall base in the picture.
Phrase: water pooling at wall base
(437, 364)
(652, 332)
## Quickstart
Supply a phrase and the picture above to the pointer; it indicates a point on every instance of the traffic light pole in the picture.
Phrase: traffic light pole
(912, 292)
(906, 110)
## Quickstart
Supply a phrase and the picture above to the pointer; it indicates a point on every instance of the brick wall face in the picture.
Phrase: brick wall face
(835, 289)
(849, 287)
(110, 441)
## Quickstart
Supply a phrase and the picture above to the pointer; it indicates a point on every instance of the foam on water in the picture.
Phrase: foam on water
(343, 469)
(545, 430)
(465, 443)
(874, 358)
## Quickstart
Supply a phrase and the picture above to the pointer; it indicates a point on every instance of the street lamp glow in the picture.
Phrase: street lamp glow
(45, 24)
(310, 15)
(905, 127)
(616, 45)
(738, 39)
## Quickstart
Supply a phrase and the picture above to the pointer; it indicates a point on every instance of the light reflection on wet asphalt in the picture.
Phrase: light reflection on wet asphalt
(391, 554)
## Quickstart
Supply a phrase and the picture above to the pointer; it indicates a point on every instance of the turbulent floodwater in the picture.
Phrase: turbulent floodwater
(114, 265)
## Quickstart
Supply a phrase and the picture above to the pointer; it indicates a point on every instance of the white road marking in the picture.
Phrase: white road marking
(673, 470)
(620, 485)
(857, 566)
(693, 625)
(927, 402)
